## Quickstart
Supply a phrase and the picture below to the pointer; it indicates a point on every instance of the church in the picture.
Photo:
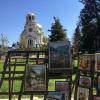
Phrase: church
(32, 35)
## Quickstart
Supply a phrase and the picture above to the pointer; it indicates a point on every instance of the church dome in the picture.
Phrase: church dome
(30, 14)
(30, 17)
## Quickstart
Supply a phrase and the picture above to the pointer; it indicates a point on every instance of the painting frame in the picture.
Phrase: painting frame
(85, 81)
(97, 62)
(86, 62)
(59, 58)
(82, 94)
(35, 78)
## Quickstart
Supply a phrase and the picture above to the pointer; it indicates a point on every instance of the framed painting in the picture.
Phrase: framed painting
(59, 55)
(63, 87)
(86, 61)
(98, 82)
(85, 81)
(82, 94)
(35, 78)
(55, 96)
(96, 97)
(97, 62)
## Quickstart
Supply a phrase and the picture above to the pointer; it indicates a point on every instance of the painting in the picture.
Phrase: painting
(55, 96)
(86, 61)
(97, 62)
(96, 98)
(99, 82)
(35, 78)
(59, 55)
(82, 94)
(85, 81)
(63, 87)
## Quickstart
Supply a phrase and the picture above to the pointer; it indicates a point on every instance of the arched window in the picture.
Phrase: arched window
(30, 29)
(30, 42)
(29, 17)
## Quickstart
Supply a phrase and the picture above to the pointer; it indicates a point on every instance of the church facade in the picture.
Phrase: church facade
(32, 35)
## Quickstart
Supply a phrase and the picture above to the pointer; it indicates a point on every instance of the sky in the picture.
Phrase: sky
(13, 15)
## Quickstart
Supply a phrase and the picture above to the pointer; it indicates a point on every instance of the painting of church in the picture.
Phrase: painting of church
(32, 35)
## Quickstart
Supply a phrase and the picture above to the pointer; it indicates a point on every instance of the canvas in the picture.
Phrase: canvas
(63, 87)
(85, 81)
(54, 96)
(97, 62)
(59, 55)
(99, 82)
(96, 98)
(82, 94)
(86, 61)
(35, 78)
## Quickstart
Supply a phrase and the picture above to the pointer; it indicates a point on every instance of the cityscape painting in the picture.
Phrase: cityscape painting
(35, 78)
(59, 55)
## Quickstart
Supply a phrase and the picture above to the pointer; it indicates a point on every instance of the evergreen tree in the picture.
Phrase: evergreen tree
(77, 42)
(57, 31)
(90, 25)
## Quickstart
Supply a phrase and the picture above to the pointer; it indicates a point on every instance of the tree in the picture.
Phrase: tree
(77, 42)
(57, 31)
(90, 25)
(4, 42)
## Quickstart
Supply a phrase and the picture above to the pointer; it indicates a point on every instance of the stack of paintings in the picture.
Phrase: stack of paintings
(59, 59)
(85, 76)
(97, 70)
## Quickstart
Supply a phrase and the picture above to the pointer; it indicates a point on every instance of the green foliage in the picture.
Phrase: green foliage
(57, 31)
(77, 39)
(90, 25)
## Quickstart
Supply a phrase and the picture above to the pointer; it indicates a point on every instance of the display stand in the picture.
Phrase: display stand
(19, 59)
(87, 74)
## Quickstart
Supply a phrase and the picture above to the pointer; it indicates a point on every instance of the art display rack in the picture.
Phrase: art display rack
(86, 73)
(11, 74)
(96, 77)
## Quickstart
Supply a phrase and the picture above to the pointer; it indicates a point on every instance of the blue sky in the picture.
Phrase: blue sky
(13, 13)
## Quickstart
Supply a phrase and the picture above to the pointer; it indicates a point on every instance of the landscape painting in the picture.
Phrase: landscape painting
(82, 94)
(59, 54)
(97, 63)
(35, 78)
(85, 81)
(86, 61)
(54, 96)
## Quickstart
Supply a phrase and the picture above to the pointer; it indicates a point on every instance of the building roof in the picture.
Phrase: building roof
(31, 14)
